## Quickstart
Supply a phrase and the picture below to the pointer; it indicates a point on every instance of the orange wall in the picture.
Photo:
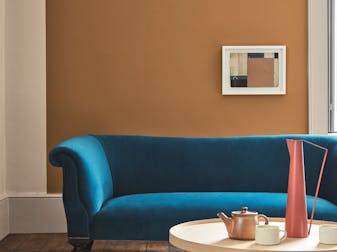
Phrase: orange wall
(153, 67)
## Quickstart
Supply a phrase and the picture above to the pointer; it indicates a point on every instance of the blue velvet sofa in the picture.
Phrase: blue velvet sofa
(137, 187)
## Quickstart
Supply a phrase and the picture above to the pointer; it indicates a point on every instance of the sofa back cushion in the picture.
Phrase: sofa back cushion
(141, 164)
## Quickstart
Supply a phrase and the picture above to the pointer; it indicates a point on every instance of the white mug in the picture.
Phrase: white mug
(328, 234)
(269, 235)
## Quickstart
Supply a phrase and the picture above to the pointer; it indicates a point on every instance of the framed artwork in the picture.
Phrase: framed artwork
(253, 70)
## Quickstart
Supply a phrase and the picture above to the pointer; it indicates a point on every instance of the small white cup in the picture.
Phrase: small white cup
(269, 235)
(328, 234)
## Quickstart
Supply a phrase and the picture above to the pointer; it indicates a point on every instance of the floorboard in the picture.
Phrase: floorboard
(59, 243)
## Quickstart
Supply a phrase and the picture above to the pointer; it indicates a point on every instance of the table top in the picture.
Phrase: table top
(211, 235)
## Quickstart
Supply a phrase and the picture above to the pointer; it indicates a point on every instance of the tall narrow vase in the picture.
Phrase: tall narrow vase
(296, 223)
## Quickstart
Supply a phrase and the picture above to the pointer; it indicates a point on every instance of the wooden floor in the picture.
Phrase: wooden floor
(59, 242)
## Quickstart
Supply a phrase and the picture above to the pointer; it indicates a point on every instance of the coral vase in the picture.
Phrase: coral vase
(296, 213)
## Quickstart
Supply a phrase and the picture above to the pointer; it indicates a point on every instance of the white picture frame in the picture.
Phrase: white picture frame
(279, 88)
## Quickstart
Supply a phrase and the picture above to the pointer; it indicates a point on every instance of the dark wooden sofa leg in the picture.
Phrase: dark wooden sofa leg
(81, 244)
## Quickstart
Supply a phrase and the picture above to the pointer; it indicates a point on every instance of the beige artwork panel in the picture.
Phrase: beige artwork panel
(238, 64)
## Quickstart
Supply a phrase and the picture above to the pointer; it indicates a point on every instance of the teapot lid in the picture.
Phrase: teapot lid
(244, 212)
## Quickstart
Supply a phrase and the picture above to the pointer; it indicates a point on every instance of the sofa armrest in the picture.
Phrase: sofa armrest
(87, 180)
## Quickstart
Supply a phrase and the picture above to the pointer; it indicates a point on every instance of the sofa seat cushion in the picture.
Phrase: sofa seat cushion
(144, 216)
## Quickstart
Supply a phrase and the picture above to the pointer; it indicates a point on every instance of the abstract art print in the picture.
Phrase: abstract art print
(253, 70)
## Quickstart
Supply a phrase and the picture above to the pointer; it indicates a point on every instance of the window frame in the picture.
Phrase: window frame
(318, 66)
(332, 66)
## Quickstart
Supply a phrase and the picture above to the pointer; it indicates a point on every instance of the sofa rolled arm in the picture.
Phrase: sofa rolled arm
(87, 180)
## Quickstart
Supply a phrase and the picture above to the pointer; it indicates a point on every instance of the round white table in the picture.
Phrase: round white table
(210, 235)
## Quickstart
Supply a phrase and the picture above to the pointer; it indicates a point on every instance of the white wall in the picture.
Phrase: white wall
(2, 99)
(24, 205)
(25, 43)
(4, 207)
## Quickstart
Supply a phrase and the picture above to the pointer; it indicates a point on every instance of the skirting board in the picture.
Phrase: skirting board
(4, 214)
(31, 213)
(36, 214)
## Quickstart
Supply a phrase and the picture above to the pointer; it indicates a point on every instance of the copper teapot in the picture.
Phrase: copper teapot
(242, 224)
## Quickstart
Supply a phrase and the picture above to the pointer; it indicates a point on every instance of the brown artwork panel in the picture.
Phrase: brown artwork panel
(260, 72)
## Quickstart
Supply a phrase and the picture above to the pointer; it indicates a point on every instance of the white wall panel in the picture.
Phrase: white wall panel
(25, 44)
(2, 99)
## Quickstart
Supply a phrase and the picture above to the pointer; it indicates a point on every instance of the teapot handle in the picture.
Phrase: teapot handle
(266, 221)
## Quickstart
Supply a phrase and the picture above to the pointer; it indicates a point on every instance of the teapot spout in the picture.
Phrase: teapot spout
(227, 221)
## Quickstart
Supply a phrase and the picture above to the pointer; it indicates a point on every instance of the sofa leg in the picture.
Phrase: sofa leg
(81, 244)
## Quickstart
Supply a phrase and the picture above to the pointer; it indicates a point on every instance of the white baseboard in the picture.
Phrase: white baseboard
(4, 216)
(37, 215)
(32, 213)
(34, 195)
